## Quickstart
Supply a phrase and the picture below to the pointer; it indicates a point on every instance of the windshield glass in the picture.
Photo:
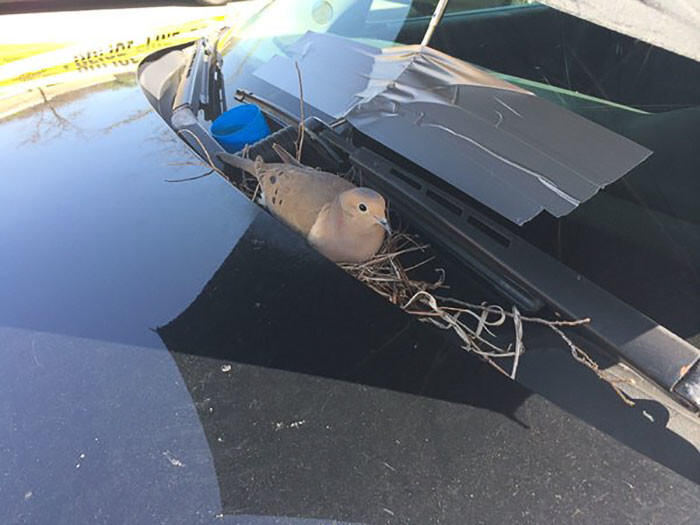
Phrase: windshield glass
(639, 238)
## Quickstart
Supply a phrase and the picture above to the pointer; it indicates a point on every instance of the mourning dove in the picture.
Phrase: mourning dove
(343, 222)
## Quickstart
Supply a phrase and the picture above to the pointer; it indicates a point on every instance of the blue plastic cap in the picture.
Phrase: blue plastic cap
(244, 124)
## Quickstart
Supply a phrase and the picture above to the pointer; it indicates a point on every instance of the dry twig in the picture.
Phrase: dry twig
(206, 154)
(300, 138)
(387, 276)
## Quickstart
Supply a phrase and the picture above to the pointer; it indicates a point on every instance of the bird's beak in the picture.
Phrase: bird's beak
(383, 223)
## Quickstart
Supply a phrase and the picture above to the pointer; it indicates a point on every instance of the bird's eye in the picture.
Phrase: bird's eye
(362, 207)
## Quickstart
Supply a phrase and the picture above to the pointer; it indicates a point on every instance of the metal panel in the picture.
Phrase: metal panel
(512, 151)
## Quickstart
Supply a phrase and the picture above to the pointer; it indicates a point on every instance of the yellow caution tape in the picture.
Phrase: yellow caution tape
(32, 73)
(11, 52)
(21, 64)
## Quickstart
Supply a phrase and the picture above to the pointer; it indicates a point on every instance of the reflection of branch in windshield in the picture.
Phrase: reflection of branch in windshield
(178, 149)
(133, 117)
(47, 110)
(594, 81)
(544, 77)
(566, 64)
(60, 124)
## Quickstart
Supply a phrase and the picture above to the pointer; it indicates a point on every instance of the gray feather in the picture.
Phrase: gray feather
(238, 162)
(285, 156)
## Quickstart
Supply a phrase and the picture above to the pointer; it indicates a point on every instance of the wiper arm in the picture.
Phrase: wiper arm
(213, 96)
(280, 114)
(202, 86)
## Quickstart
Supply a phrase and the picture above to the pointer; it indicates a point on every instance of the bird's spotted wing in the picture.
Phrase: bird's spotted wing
(296, 194)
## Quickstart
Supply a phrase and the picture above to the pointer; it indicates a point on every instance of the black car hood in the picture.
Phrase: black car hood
(170, 353)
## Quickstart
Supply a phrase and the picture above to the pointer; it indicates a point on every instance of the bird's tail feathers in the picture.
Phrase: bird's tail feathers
(285, 156)
(239, 162)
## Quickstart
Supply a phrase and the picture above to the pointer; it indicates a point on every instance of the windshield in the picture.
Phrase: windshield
(639, 238)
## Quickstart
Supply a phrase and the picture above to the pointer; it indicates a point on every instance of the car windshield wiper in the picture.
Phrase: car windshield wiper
(183, 81)
(202, 86)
